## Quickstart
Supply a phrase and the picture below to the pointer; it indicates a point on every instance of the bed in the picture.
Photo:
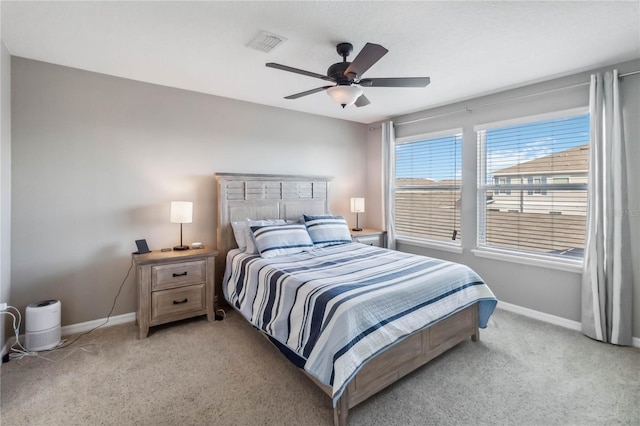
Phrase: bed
(352, 317)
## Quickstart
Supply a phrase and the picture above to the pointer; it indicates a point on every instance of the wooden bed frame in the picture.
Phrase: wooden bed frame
(288, 197)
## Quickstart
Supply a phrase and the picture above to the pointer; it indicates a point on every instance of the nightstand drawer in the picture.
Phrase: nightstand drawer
(177, 274)
(372, 240)
(371, 237)
(177, 301)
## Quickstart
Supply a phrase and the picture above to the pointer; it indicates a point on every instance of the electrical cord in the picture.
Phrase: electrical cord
(19, 354)
(108, 316)
(221, 314)
(16, 331)
(20, 351)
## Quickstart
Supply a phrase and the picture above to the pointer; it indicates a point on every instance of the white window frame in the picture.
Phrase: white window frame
(431, 243)
(553, 262)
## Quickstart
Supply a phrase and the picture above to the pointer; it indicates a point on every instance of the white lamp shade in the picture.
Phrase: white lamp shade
(357, 205)
(344, 95)
(181, 212)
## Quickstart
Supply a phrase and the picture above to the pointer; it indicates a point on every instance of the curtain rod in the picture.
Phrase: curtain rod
(467, 109)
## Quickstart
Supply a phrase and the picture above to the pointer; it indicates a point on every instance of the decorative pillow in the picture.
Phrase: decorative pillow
(277, 240)
(327, 230)
(251, 244)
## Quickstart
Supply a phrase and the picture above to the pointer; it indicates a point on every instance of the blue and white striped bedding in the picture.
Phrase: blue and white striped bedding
(336, 307)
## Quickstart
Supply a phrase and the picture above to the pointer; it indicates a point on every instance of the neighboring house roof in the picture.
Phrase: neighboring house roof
(574, 160)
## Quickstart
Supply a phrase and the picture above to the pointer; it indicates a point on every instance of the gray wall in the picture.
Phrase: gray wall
(97, 160)
(5, 184)
(545, 290)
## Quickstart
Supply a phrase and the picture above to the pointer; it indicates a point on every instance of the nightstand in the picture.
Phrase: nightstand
(372, 237)
(174, 285)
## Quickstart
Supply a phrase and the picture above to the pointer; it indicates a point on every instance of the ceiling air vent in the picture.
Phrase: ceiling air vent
(266, 42)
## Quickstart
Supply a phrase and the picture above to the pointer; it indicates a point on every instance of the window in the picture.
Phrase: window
(428, 187)
(537, 181)
(543, 209)
(503, 181)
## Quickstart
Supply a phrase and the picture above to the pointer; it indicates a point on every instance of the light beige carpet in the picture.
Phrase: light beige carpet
(522, 372)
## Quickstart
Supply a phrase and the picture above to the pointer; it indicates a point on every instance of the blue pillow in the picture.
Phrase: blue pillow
(278, 240)
(249, 241)
(327, 230)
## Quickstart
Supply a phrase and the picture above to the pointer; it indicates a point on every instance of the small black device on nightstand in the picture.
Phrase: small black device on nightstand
(142, 247)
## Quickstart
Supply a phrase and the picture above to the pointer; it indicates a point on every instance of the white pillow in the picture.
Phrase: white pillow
(240, 233)
(251, 243)
(278, 240)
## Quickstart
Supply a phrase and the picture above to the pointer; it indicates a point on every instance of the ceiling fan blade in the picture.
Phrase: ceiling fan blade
(362, 101)
(308, 92)
(369, 55)
(297, 71)
(396, 82)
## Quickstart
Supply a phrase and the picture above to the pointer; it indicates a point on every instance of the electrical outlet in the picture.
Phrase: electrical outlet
(3, 306)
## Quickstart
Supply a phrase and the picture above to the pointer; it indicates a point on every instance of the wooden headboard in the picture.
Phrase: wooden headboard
(257, 196)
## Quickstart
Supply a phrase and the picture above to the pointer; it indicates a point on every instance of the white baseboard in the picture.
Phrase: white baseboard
(86, 326)
(541, 316)
(131, 316)
(79, 328)
(551, 319)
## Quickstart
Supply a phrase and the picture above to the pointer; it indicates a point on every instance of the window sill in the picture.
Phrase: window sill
(452, 248)
(568, 265)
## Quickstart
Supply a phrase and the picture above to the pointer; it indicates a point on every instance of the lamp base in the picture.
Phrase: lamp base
(356, 229)
(178, 248)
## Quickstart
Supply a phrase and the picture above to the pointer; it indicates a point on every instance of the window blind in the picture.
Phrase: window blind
(532, 186)
(428, 188)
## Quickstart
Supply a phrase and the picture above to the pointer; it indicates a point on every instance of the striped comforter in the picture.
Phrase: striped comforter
(332, 309)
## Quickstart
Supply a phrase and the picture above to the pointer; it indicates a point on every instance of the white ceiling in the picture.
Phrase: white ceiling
(467, 48)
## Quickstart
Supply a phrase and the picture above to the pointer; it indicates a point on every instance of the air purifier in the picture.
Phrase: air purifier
(42, 325)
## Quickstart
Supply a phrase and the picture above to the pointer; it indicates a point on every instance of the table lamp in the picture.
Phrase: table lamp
(181, 212)
(357, 206)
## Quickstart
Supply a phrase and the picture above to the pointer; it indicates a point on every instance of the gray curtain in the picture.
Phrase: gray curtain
(389, 164)
(608, 275)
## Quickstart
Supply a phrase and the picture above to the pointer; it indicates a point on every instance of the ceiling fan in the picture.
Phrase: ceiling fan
(347, 76)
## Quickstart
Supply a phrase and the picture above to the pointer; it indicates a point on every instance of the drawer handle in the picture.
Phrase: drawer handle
(184, 274)
(179, 302)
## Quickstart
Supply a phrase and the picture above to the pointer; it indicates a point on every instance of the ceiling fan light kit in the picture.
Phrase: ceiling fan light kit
(347, 76)
(344, 95)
